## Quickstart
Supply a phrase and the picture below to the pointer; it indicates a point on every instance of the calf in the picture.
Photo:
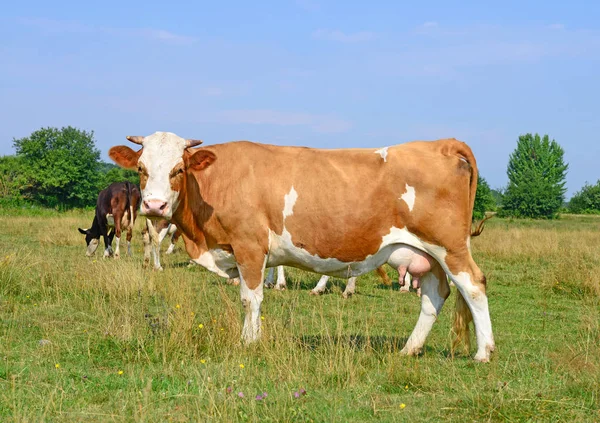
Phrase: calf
(116, 209)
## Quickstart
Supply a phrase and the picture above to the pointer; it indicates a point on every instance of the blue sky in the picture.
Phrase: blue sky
(310, 72)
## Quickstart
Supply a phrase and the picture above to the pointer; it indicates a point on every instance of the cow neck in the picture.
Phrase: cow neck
(184, 215)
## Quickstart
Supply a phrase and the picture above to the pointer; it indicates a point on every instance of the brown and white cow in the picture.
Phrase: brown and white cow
(155, 231)
(246, 206)
(116, 209)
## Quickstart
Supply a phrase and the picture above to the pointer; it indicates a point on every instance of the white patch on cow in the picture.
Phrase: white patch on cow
(383, 152)
(170, 249)
(91, 248)
(162, 152)
(218, 261)
(252, 300)
(469, 243)
(350, 288)
(409, 197)
(289, 201)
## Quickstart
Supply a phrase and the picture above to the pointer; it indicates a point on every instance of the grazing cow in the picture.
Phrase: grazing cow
(116, 209)
(246, 206)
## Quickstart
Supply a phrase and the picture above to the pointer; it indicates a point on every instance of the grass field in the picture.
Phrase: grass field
(100, 340)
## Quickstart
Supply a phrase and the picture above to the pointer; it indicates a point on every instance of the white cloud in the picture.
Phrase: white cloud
(430, 24)
(337, 35)
(319, 123)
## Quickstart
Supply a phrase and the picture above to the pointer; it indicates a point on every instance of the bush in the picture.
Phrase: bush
(586, 200)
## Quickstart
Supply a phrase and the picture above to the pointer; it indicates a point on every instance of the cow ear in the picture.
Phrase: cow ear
(124, 156)
(83, 231)
(201, 159)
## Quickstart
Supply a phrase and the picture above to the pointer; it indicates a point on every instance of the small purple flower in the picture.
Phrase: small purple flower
(302, 391)
(241, 394)
(229, 389)
(260, 397)
(296, 394)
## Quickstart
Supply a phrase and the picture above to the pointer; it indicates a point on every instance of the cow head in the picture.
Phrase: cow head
(162, 164)
(91, 241)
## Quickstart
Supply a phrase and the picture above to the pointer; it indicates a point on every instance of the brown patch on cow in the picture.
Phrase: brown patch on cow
(143, 173)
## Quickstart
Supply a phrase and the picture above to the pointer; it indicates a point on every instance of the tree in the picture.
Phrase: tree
(111, 173)
(60, 166)
(484, 200)
(12, 181)
(536, 174)
(586, 200)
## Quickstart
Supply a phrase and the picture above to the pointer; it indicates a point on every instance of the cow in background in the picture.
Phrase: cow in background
(153, 234)
(116, 209)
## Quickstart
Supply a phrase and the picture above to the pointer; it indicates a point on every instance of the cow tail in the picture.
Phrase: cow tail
(384, 276)
(462, 313)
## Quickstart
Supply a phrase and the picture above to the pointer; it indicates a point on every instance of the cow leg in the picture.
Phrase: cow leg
(108, 244)
(471, 284)
(350, 288)
(154, 237)
(129, 234)
(280, 285)
(270, 279)
(117, 218)
(321, 286)
(251, 266)
(147, 244)
(174, 239)
(435, 290)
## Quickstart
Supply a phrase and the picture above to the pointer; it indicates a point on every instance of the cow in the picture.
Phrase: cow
(153, 234)
(116, 209)
(246, 206)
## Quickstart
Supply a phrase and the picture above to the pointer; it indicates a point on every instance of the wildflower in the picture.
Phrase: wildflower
(262, 317)
(222, 329)
(192, 313)
(120, 372)
(229, 389)
(241, 366)
(214, 320)
(200, 325)
(296, 394)
(177, 306)
(402, 406)
(57, 365)
(241, 394)
(203, 361)
(406, 387)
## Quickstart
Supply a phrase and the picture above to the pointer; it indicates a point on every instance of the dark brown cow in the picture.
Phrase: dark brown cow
(245, 206)
(116, 209)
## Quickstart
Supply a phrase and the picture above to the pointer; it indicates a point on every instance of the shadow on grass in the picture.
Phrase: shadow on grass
(378, 343)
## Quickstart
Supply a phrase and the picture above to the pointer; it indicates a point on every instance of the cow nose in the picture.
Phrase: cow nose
(154, 207)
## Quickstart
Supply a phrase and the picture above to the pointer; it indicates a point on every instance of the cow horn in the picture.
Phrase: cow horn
(135, 139)
(192, 143)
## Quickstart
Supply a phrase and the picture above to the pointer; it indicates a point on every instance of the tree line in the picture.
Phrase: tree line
(61, 168)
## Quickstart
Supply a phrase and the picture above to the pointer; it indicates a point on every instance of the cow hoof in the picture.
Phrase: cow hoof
(410, 351)
(279, 288)
(233, 281)
(315, 293)
(347, 295)
(158, 269)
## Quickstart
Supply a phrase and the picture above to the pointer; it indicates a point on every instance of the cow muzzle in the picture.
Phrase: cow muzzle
(158, 208)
